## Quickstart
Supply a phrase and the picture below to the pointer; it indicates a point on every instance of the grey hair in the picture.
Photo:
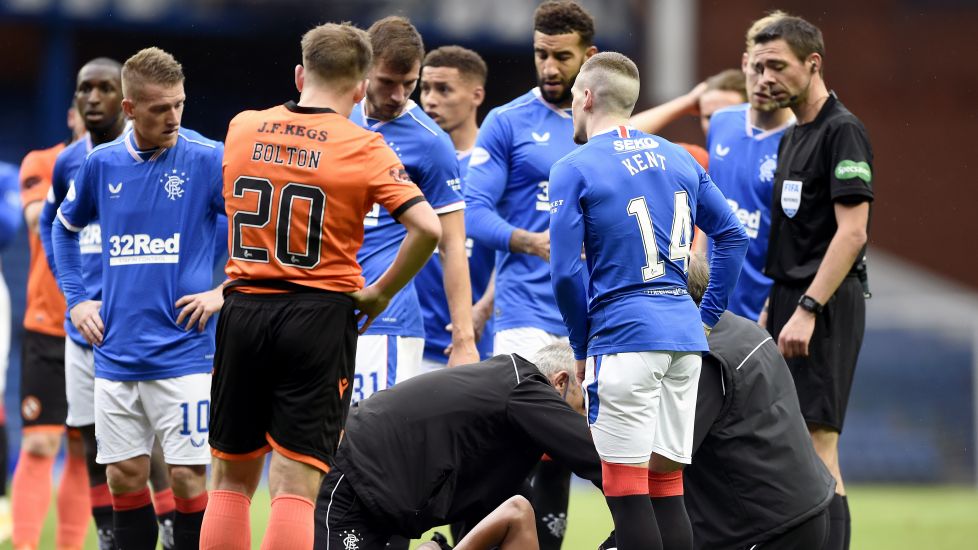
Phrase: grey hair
(555, 358)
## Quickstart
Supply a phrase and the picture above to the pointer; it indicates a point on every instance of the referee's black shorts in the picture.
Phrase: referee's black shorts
(824, 378)
(282, 372)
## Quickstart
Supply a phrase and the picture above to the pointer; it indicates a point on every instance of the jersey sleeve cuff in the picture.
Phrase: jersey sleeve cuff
(400, 210)
(68, 225)
(449, 208)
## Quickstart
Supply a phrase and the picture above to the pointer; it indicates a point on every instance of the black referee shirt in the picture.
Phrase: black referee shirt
(825, 161)
(453, 444)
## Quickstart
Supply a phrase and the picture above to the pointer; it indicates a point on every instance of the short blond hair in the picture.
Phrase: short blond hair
(337, 54)
(614, 79)
(150, 66)
(757, 26)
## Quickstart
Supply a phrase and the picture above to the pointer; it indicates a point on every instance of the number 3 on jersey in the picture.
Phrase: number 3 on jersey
(306, 258)
(680, 236)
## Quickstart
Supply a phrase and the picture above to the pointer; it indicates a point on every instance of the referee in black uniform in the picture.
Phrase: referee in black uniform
(755, 480)
(819, 221)
(451, 446)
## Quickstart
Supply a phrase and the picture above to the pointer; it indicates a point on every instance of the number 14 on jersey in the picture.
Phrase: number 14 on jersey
(680, 236)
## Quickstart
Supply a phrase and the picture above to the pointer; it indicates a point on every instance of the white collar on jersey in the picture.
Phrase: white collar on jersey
(564, 113)
(749, 128)
(130, 141)
(408, 107)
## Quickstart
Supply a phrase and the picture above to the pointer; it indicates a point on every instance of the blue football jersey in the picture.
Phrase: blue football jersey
(632, 200)
(742, 163)
(10, 207)
(158, 212)
(90, 238)
(431, 291)
(429, 158)
(507, 187)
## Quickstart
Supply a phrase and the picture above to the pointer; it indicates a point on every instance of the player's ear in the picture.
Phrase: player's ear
(590, 51)
(128, 107)
(478, 95)
(300, 78)
(360, 91)
(743, 62)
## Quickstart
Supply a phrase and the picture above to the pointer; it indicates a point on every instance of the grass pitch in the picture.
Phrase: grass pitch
(884, 517)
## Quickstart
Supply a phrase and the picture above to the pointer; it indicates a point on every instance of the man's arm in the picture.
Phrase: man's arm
(538, 412)
(423, 233)
(484, 187)
(653, 120)
(49, 213)
(730, 243)
(458, 288)
(566, 267)
(848, 241)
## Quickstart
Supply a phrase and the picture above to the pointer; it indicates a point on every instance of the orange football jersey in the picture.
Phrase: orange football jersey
(45, 311)
(298, 182)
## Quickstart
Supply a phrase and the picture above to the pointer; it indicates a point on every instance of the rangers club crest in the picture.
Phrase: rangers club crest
(766, 170)
(173, 184)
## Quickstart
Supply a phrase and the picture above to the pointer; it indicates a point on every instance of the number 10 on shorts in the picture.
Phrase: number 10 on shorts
(203, 413)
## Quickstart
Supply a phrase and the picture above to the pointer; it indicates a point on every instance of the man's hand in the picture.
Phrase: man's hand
(198, 308)
(85, 316)
(462, 352)
(580, 365)
(692, 98)
(370, 303)
(796, 334)
(481, 313)
(528, 242)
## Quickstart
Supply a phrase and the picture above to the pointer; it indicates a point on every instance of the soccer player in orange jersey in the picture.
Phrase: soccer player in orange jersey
(298, 180)
(43, 404)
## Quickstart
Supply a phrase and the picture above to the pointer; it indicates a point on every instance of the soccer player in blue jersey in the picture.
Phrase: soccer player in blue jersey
(98, 100)
(156, 192)
(743, 143)
(392, 347)
(508, 205)
(631, 200)
(506, 190)
(453, 82)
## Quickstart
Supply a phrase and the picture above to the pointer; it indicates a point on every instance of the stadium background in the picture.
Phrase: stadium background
(901, 65)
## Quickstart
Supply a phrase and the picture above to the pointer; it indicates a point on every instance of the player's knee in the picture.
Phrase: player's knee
(41, 444)
(188, 481)
(518, 510)
(127, 476)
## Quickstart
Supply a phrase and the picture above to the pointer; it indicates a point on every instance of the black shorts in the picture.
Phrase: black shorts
(824, 378)
(43, 401)
(343, 519)
(811, 534)
(282, 370)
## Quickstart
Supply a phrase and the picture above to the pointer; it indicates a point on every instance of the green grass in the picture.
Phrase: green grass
(885, 517)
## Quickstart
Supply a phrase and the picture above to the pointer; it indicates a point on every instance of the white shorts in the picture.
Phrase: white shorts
(523, 341)
(130, 415)
(79, 384)
(384, 360)
(643, 403)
